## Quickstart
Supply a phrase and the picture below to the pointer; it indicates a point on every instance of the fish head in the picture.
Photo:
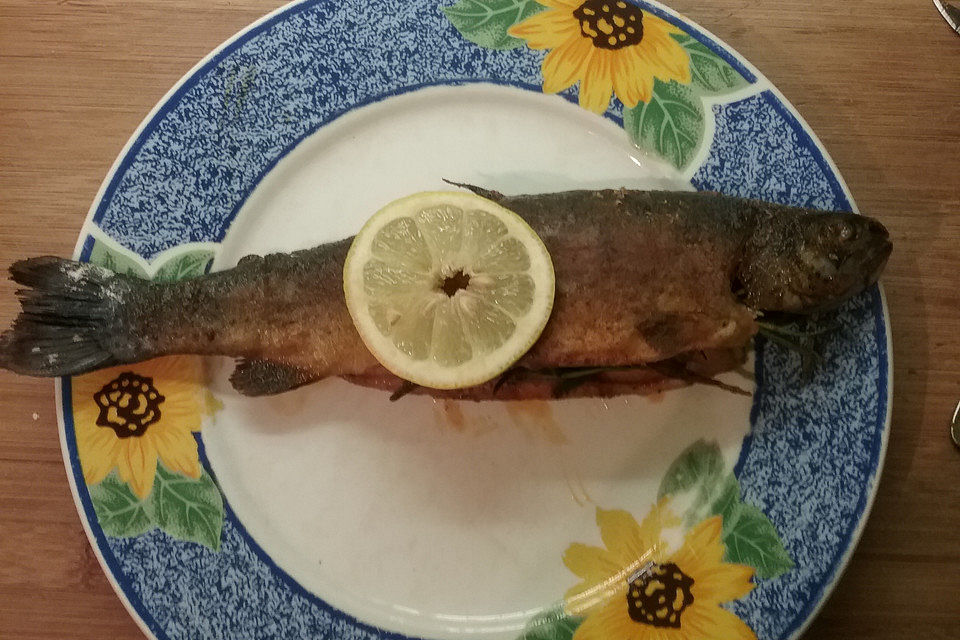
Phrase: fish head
(819, 261)
(856, 249)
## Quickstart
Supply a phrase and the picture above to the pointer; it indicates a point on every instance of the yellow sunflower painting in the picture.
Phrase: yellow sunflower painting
(636, 589)
(608, 46)
(129, 417)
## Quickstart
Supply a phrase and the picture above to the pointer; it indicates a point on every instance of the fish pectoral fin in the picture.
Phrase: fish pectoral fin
(267, 377)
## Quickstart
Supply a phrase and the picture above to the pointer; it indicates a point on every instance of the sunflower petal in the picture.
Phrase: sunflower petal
(711, 621)
(590, 563)
(184, 407)
(632, 80)
(635, 544)
(85, 409)
(723, 583)
(596, 85)
(656, 24)
(619, 531)
(96, 468)
(602, 577)
(662, 56)
(138, 465)
(85, 385)
(98, 452)
(569, 5)
(564, 65)
(173, 369)
(178, 451)
(659, 518)
(702, 549)
(613, 622)
(547, 29)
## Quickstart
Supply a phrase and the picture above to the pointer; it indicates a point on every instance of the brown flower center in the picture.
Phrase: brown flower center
(658, 594)
(128, 405)
(611, 24)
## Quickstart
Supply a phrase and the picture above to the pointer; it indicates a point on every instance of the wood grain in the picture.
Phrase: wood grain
(878, 80)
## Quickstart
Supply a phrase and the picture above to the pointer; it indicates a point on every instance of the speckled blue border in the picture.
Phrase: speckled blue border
(760, 149)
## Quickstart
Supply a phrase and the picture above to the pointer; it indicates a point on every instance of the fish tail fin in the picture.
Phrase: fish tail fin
(68, 321)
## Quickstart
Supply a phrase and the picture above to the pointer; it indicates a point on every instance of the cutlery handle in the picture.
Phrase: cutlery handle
(955, 426)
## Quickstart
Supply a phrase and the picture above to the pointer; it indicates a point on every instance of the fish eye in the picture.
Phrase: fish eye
(838, 231)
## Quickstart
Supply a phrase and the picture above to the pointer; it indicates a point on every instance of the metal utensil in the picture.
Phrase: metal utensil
(951, 13)
(955, 426)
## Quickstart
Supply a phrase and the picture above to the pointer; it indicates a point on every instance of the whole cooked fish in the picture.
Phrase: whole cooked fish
(653, 289)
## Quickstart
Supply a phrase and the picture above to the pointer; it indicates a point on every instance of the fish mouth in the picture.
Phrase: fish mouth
(879, 261)
(880, 249)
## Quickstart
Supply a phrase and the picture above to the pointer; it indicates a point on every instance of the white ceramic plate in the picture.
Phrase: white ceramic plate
(330, 511)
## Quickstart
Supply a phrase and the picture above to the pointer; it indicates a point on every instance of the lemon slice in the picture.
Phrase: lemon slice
(448, 289)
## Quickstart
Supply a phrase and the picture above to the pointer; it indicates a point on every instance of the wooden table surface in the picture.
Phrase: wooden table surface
(878, 80)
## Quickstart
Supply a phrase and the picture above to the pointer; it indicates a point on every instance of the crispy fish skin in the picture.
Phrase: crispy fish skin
(641, 277)
(286, 308)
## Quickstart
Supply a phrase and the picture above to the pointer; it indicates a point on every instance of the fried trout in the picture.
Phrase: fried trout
(654, 290)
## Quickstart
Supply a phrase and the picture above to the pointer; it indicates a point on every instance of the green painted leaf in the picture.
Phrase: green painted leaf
(188, 264)
(709, 72)
(553, 624)
(116, 261)
(120, 512)
(187, 509)
(698, 482)
(671, 125)
(753, 540)
(726, 500)
(485, 22)
(701, 463)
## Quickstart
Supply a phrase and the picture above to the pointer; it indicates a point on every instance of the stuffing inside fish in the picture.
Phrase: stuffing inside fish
(654, 290)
